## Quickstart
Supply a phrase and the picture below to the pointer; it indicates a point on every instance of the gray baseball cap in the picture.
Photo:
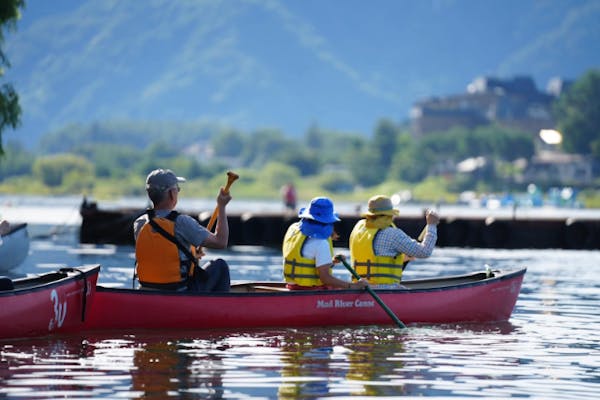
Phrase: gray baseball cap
(162, 179)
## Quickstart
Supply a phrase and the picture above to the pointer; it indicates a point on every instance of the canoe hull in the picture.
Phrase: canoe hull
(14, 247)
(48, 304)
(478, 301)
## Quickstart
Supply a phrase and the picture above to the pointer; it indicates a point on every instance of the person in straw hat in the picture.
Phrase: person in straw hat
(379, 249)
(308, 249)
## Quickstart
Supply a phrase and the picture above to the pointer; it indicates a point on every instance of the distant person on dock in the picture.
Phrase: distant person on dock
(169, 245)
(379, 249)
(308, 249)
(289, 196)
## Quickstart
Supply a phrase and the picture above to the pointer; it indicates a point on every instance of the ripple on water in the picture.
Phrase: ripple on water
(549, 349)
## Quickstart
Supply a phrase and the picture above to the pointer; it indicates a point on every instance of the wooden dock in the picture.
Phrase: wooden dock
(267, 229)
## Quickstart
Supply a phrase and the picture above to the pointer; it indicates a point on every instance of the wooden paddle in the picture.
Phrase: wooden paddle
(422, 234)
(231, 177)
(373, 294)
(419, 239)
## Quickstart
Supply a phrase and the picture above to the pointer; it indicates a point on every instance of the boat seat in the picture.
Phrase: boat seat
(270, 288)
(6, 283)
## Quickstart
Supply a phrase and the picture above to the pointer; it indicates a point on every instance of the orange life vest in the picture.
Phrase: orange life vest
(157, 257)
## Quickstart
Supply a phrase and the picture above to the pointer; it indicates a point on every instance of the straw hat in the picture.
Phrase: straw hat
(380, 205)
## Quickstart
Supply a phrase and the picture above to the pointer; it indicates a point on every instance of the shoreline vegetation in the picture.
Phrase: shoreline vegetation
(110, 159)
(433, 190)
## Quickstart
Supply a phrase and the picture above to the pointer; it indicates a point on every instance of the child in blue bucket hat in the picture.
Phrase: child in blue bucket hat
(308, 249)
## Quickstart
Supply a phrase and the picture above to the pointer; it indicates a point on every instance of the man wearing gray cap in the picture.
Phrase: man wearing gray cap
(168, 244)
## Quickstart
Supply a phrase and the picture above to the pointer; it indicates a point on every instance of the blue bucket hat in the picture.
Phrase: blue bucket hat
(320, 210)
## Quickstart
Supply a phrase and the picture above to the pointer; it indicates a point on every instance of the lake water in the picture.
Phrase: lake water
(548, 350)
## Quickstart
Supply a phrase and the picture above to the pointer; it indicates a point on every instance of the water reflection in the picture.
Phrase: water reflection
(44, 368)
(164, 368)
(157, 369)
(440, 360)
(317, 363)
(288, 363)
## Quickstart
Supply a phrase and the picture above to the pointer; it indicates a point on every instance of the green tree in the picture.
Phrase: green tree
(384, 142)
(274, 175)
(336, 147)
(53, 170)
(10, 109)
(408, 164)
(160, 150)
(313, 138)
(191, 169)
(306, 161)
(229, 143)
(369, 162)
(336, 182)
(365, 167)
(577, 112)
(17, 161)
(495, 141)
(110, 160)
(264, 146)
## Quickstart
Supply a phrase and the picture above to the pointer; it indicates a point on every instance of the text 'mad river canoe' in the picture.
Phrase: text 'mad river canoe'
(51, 303)
(485, 296)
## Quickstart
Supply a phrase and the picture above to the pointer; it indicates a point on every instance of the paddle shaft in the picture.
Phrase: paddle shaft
(231, 177)
(420, 239)
(422, 234)
(374, 295)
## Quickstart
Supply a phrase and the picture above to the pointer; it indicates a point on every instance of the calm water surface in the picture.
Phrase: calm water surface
(548, 349)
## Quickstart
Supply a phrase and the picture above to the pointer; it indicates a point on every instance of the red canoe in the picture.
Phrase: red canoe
(477, 297)
(55, 302)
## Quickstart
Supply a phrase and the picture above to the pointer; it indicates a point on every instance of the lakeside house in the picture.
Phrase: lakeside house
(513, 103)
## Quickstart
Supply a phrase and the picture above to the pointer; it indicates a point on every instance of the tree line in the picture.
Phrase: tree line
(75, 157)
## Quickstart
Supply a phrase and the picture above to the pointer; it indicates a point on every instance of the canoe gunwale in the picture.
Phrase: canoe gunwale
(15, 228)
(463, 282)
(50, 280)
(466, 280)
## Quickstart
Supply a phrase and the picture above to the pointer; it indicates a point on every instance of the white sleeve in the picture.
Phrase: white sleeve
(318, 250)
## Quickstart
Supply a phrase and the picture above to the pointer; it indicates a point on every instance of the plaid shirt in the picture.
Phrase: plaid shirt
(392, 241)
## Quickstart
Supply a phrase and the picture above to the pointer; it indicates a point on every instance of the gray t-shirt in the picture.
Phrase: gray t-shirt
(187, 230)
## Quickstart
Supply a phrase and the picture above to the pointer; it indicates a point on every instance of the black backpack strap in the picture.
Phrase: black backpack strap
(172, 216)
(203, 274)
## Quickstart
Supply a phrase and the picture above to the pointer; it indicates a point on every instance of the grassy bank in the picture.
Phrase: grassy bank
(251, 186)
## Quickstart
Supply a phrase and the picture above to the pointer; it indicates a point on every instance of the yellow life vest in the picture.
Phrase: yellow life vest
(157, 257)
(376, 269)
(297, 269)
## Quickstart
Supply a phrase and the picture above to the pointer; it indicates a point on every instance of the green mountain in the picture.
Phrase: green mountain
(250, 64)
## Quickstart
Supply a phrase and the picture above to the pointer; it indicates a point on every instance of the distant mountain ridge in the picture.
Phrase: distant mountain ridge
(280, 64)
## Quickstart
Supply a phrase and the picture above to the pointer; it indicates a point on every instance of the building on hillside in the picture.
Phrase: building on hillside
(514, 103)
(554, 167)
